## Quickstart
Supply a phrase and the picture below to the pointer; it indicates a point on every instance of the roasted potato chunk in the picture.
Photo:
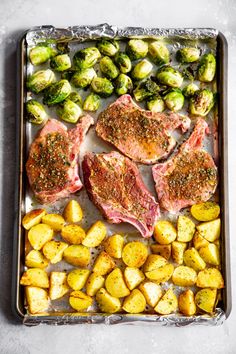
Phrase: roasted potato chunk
(186, 303)
(135, 302)
(185, 229)
(210, 278)
(94, 283)
(77, 255)
(184, 276)
(113, 245)
(161, 250)
(53, 251)
(106, 302)
(80, 301)
(77, 278)
(206, 211)
(153, 262)
(210, 254)
(134, 254)
(33, 218)
(37, 299)
(210, 230)
(115, 284)
(199, 241)
(193, 259)
(151, 291)
(103, 264)
(206, 300)
(178, 249)
(73, 234)
(164, 232)
(39, 234)
(161, 274)
(133, 277)
(73, 212)
(58, 285)
(35, 259)
(167, 304)
(35, 277)
(95, 234)
(55, 221)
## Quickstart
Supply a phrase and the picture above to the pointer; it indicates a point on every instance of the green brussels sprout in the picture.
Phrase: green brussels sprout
(83, 78)
(67, 75)
(86, 58)
(35, 112)
(40, 80)
(57, 92)
(174, 100)
(189, 73)
(92, 102)
(156, 104)
(41, 53)
(207, 68)
(169, 76)
(123, 62)
(60, 62)
(137, 49)
(145, 89)
(69, 111)
(142, 69)
(75, 97)
(108, 68)
(189, 90)
(201, 103)
(188, 55)
(159, 53)
(108, 47)
(102, 86)
(63, 47)
(123, 84)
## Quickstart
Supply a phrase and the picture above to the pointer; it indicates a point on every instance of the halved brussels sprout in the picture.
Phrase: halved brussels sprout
(188, 55)
(41, 53)
(201, 103)
(69, 111)
(75, 97)
(108, 47)
(57, 92)
(108, 68)
(123, 84)
(35, 112)
(174, 100)
(142, 69)
(137, 49)
(86, 58)
(189, 90)
(159, 53)
(169, 76)
(40, 80)
(207, 68)
(60, 62)
(156, 104)
(123, 62)
(102, 86)
(92, 102)
(145, 89)
(83, 78)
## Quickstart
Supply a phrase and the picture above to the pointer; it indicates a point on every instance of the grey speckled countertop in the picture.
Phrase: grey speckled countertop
(15, 17)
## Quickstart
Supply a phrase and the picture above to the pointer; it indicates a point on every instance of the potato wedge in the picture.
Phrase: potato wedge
(106, 302)
(206, 299)
(37, 299)
(185, 229)
(186, 303)
(53, 251)
(94, 283)
(210, 230)
(80, 301)
(178, 249)
(77, 255)
(113, 245)
(151, 291)
(199, 241)
(206, 211)
(73, 234)
(153, 262)
(135, 302)
(35, 259)
(167, 304)
(164, 232)
(35, 277)
(210, 278)
(184, 276)
(161, 274)
(134, 254)
(161, 250)
(210, 254)
(33, 218)
(55, 221)
(133, 277)
(39, 234)
(115, 284)
(193, 259)
(77, 278)
(58, 285)
(95, 235)
(73, 212)
(103, 264)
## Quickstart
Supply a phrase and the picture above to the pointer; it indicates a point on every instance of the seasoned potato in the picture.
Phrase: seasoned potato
(210, 230)
(153, 262)
(94, 283)
(56, 221)
(103, 264)
(73, 234)
(186, 303)
(35, 277)
(33, 218)
(161, 274)
(210, 278)
(164, 232)
(217, 243)
(77, 255)
(37, 299)
(134, 254)
(205, 211)
(53, 251)
(80, 301)
(210, 254)
(193, 259)
(151, 291)
(115, 284)
(199, 241)
(73, 212)
(58, 285)
(95, 234)
(184, 276)
(206, 299)
(161, 250)
(35, 259)
(167, 304)
(113, 245)
(185, 229)
(106, 302)
(133, 277)
(135, 302)
(77, 278)
(178, 249)
(39, 234)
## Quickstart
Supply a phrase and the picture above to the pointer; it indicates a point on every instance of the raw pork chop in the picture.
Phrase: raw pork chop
(189, 177)
(52, 166)
(141, 135)
(115, 186)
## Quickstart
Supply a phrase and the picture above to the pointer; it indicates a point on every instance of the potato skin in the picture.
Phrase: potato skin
(161, 250)
(186, 303)
(95, 235)
(161, 274)
(164, 232)
(134, 254)
(94, 283)
(73, 212)
(103, 264)
(206, 211)
(33, 218)
(35, 277)
(73, 234)
(58, 285)
(35, 259)
(193, 259)
(153, 262)
(106, 302)
(77, 255)
(210, 254)
(39, 234)
(184, 276)
(37, 299)
(206, 299)
(55, 221)
(210, 230)
(80, 301)
(113, 245)
(185, 229)
(151, 291)
(178, 249)
(77, 278)
(135, 302)
(210, 278)
(53, 251)
(115, 284)
(199, 241)
(167, 304)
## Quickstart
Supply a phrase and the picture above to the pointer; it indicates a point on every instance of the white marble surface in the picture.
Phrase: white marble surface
(15, 17)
